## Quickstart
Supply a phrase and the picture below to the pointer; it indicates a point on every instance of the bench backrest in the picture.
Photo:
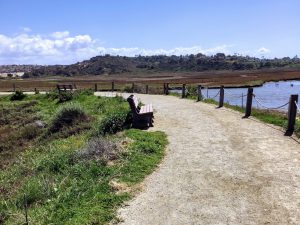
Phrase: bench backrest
(133, 103)
(64, 87)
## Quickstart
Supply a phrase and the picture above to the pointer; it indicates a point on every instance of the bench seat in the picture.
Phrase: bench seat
(142, 116)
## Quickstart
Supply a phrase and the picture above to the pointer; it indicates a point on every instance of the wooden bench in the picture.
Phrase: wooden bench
(142, 115)
(65, 87)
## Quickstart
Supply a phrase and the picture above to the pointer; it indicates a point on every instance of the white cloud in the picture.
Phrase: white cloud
(60, 34)
(62, 48)
(263, 50)
(26, 29)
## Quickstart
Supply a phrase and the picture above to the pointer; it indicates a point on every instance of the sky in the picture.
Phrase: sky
(64, 32)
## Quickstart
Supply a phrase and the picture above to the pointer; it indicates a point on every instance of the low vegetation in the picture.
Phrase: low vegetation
(58, 167)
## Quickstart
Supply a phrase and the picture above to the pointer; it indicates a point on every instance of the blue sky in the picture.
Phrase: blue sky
(61, 32)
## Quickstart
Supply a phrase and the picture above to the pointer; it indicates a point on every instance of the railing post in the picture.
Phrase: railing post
(164, 88)
(221, 100)
(199, 93)
(242, 100)
(113, 86)
(147, 89)
(183, 91)
(132, 90)
(167, 88)
(96, 87)
(292, 115)
(249, 102)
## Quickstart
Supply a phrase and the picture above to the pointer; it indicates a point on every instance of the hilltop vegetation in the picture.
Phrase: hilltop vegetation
(108, 64)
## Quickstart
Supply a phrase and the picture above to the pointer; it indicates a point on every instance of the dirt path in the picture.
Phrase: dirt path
(219, 169)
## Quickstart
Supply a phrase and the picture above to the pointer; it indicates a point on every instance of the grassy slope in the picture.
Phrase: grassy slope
(63, 188)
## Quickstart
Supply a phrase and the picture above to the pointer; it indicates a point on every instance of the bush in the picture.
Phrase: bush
(54, 94)
(30, 131)
(86, 92)
(100, 148)
(191, 90)
(17, 96)
(65, 96)
(113, 123)
(62, 96)
(67, 115)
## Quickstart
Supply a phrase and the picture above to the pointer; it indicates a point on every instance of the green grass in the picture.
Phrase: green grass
(63, 187)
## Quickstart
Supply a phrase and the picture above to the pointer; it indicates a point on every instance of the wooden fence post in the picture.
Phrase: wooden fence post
(14, 87)
(167, 88)
(221, 100)
(132, 88)
(113, 86)
(164, 88)
(147, 89)
(242, 100)
(96, 87)
(183, 91)
(199, 93)
(292, 115)
(249, 102)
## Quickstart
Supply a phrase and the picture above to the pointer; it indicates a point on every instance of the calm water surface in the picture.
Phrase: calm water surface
(271, 94)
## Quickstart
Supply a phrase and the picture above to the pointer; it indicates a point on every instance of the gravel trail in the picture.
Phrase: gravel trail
(218, 169)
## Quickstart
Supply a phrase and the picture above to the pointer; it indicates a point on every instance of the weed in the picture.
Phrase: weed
(17, 96)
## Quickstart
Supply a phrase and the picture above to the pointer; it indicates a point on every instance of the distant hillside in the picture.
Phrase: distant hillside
(108, 64)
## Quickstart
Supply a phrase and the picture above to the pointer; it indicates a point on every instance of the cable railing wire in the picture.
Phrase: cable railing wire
(270, 108)
(215, 95)
(298, 108)
(232, 95)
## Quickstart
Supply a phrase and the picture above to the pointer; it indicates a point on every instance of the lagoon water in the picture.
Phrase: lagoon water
(271, 94)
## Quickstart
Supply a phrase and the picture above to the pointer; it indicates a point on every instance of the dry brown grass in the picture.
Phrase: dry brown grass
(216, 78)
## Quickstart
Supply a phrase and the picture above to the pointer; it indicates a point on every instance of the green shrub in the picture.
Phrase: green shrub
(54, 94)
(65, 96)
(62, 96)
(113, 123)
(67, 115)
(17, 96)
(191, 90)
(85, 92)
(30, 131)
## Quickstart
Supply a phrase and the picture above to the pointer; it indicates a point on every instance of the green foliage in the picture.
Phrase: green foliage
(191, 90)
(66, 183)
(17, 96)
(67, 115)
(65, 96)
(147, 151)
(67, 179)
(62, 96)
(113, 122)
